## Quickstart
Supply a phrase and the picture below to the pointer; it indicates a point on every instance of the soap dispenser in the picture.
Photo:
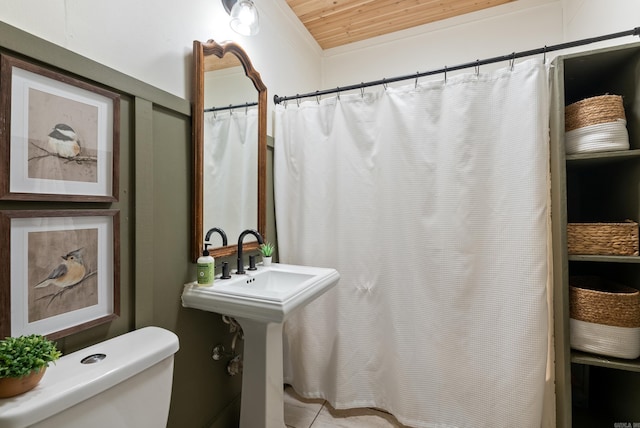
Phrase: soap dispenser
(205, 268)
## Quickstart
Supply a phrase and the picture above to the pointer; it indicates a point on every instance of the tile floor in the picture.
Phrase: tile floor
(300, 412)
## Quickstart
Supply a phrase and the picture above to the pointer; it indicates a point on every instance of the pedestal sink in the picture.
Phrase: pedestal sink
(261, 301)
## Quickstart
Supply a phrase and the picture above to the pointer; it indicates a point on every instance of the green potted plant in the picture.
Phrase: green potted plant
(23, 361)
(266, 250)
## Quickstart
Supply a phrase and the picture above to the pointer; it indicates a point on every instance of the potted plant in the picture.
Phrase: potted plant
(23, 361)
(266, 250)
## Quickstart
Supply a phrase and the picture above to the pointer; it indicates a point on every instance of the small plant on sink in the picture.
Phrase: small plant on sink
(266, 250)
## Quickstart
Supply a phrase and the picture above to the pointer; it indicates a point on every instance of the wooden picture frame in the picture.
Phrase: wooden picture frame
(59, 136)
(59, 271)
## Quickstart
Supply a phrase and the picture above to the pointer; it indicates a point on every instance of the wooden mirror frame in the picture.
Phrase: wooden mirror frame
(200, 51)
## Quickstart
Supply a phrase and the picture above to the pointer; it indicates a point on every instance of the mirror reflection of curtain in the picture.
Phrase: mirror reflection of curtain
(230, 171)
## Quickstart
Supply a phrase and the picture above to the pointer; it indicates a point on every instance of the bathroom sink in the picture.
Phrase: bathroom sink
(268, 294)
(260, 301)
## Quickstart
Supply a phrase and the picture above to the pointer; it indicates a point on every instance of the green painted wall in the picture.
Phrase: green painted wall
(155, 209)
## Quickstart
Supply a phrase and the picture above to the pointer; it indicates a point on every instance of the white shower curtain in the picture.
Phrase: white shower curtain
(431, 202)
(230, 172)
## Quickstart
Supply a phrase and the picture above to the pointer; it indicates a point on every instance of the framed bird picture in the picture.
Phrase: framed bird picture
(59, 136)
(59, 271)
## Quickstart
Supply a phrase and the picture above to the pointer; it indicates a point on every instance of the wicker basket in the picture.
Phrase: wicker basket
(605, 317)
(596, 124)
(592, 111)
(613, 239)
(594, 299)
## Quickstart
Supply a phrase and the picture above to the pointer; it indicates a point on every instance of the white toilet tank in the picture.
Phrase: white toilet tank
(129, 387)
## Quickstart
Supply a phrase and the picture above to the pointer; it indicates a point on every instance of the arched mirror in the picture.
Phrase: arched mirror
(230, 146)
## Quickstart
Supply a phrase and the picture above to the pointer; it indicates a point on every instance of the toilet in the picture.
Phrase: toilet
(121, 382)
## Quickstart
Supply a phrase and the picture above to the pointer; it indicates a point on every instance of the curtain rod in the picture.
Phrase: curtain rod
(230, 107)
(477, 63)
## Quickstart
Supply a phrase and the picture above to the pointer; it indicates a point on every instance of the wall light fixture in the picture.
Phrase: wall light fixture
(244, 16)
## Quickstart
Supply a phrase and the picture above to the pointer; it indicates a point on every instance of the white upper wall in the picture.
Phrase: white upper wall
(151, 40)
(518, 26)
(488, 33)
(590, 18)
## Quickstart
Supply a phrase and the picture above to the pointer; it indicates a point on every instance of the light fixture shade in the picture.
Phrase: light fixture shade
(244, 18)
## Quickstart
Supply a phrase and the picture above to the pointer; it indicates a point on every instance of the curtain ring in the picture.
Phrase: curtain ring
(416, 82)
(477, 67)
(384, 83)
(362, 90)
(298, 99)
(317, 98)
(544, 55)
(513, 60)
(338, 91)
(246, 109)
(445, 74)
(230, 110)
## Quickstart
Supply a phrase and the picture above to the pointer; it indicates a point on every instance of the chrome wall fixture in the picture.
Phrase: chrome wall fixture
(235, 364)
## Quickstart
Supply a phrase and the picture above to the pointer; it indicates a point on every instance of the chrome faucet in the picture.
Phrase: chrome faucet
(220, 231)
(240, 239)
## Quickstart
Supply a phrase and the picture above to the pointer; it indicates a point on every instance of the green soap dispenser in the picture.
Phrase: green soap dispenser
(205, 268)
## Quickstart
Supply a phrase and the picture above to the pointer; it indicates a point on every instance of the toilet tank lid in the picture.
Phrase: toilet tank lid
(69, 382)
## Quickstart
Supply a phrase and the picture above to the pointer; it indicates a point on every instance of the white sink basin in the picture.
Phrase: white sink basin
(268, 294)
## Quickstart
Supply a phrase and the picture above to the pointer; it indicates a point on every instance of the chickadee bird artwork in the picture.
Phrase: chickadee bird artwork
(70, 272)
(64, 142)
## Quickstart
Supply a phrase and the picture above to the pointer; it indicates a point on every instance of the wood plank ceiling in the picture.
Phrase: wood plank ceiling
(338, 22)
